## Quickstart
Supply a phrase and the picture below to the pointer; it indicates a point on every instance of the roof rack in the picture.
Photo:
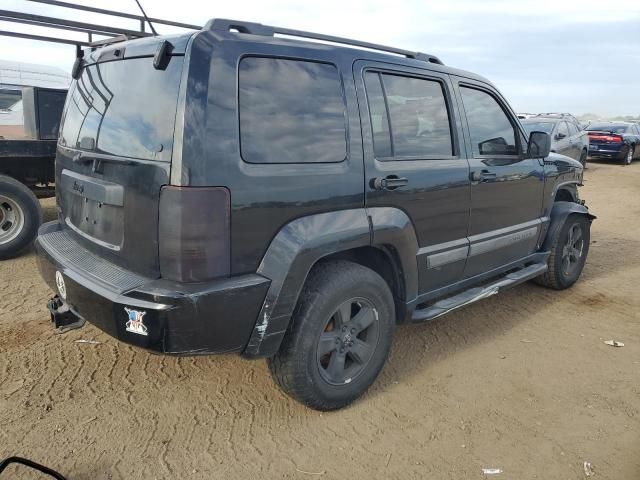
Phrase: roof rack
(226, 25)
(113, 34)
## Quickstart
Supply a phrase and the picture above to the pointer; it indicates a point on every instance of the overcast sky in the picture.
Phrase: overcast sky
(547, 55)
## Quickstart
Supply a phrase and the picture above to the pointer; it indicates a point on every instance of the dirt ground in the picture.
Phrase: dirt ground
(521, 382)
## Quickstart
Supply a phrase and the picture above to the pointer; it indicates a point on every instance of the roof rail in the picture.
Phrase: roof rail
(226, 25)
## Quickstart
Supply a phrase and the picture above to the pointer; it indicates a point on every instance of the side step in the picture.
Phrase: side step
(478, 293)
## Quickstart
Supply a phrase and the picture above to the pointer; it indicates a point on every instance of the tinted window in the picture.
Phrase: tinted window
(417, 114)
(573, 130)
(11, 114)
(562, 129)
(50, 105)
(291, 111)
(379, 117)
(491, 131)
(8, 98)
(607, 127)
(546, 127)
(124, 108)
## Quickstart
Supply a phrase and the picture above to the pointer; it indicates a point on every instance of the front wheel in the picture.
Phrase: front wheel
(568, 253)
(340, 336)
(20, 217)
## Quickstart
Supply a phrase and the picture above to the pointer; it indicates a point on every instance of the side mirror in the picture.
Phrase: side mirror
(560, 136)
(539, 145)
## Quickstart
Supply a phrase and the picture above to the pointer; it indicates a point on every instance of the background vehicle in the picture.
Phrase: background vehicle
(614, 140)
(298, 202)
(567, 136)
(31, 102)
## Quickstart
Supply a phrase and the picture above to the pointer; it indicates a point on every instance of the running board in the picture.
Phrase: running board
(478, 293)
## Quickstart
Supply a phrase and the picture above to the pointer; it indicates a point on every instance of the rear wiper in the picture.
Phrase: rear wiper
(99, 160)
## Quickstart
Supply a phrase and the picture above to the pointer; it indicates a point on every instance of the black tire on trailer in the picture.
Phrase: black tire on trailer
(20, 217)
(339, 337)
(568, 253)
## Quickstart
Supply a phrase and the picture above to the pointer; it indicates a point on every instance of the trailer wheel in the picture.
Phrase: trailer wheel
(20, 217)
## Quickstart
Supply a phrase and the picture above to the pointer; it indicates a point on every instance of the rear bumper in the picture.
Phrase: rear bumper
(606, 151)
(159, 315)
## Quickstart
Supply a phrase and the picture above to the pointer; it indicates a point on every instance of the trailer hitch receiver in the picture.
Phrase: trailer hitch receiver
(62, 317)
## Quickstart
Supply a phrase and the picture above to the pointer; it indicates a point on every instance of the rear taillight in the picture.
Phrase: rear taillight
(194, 230)
(605, 138)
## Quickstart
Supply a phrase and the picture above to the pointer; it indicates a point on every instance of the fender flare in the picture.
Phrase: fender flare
(302, 242)
(559, 213)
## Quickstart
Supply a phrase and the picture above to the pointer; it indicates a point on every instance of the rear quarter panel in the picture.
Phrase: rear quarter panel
(264, 197)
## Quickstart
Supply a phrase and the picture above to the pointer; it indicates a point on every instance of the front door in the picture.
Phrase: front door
(413, 162)
(506, 187)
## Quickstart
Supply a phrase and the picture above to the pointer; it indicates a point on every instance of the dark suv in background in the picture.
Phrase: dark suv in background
(295, 200)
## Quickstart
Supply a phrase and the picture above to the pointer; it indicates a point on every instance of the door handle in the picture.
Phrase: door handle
(482, 176)
(390, 182)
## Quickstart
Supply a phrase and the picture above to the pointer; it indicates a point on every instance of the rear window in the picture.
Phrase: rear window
(607, 128)
(291, 111)
(546, 127)
(125, 108)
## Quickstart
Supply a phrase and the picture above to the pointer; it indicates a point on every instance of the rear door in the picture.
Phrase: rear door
(506, 187)
(411, 141)
(561, 140)
(576, 139)
(114, 154)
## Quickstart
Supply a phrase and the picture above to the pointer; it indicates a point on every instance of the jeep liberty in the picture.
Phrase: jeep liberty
(242, 190)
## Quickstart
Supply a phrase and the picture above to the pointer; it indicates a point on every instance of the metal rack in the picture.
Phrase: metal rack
(91, 29)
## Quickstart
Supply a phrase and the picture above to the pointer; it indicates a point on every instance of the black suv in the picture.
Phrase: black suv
(231, 190)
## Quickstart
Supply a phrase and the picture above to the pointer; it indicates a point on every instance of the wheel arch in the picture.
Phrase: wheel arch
(559, 213)
(382, 239)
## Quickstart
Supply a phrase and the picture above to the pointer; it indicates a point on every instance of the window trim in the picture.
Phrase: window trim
(446, 93)
(516, 131)
(347, 135)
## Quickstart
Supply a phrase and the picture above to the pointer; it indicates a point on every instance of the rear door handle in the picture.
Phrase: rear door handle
(390, 182)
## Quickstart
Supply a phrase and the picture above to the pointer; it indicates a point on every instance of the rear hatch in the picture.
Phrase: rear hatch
(606, 139)
(114, 153)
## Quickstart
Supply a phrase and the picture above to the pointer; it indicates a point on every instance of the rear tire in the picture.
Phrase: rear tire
(568, 253)
(628, 158)
(583, 158)
(20, 217)
(339, 337)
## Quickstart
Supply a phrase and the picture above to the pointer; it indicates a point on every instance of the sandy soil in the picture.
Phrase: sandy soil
(522, 382)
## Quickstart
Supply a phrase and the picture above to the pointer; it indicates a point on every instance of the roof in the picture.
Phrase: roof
(22, 74)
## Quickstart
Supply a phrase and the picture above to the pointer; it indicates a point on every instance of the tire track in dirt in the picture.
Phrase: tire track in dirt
(559, 399)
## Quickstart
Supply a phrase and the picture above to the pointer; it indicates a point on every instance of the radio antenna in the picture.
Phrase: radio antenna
(147, 18)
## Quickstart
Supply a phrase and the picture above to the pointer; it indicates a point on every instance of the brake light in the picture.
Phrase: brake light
(194, 230)
(605, 138)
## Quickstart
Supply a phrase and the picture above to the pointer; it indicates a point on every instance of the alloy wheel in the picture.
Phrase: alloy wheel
(572, 250)
(348, 341)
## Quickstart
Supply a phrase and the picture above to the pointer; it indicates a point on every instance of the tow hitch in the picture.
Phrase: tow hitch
(62, 317)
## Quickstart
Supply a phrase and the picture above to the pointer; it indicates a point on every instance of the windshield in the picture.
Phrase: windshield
(604, 127)
(546, 127)
(125, 108)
